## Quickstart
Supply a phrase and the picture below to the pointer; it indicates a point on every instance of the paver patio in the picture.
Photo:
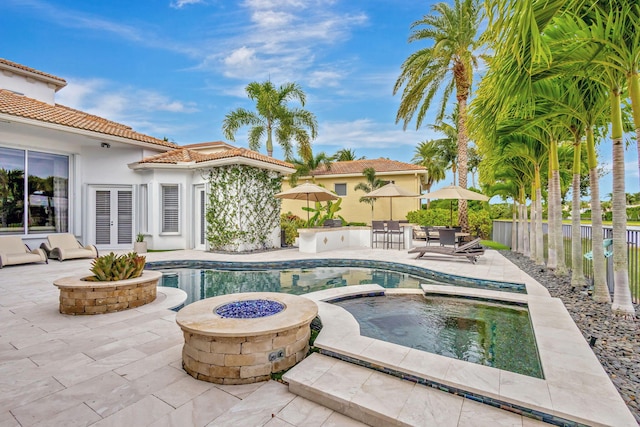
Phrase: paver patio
(125, 368)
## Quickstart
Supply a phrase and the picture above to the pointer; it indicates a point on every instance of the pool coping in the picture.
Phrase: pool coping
(575, 388)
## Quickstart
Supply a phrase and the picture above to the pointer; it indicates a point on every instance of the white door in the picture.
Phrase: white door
(200, 218)
(112, 219)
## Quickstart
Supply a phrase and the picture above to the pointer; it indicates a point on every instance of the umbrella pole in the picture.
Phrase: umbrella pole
(450, 213)
(391, 208)
(307, 210)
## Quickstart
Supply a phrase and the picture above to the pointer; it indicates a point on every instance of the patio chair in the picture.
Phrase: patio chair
(66, 246)
(432, 234)
(471, 251)
(13, 251)
(394, 229)
(447, 237)
(377, 229)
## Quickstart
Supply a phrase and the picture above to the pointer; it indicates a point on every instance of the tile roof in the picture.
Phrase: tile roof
(29, 108)
(188, 155)
(357, 166)
(32, 70)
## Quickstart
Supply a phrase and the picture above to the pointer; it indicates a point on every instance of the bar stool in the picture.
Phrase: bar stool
(393, 229)
(377, 229)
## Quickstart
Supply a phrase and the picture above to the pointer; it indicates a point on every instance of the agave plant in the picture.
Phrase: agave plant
(112, 267)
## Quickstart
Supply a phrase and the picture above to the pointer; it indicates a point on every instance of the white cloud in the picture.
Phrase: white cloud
(133, 107)
(179, 4)
(366, 133)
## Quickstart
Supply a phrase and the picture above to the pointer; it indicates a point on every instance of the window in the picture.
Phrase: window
(143, 225)
(340, 189)
(34, 190)
(170, 208)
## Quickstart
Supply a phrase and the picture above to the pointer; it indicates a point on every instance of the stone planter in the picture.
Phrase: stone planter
(140, 247)
(78, 296)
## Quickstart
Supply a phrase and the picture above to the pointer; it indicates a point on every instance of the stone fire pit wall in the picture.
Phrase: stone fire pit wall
(78, 296)
(244, 350)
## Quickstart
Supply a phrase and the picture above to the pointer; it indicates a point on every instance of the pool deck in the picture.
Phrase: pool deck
(125, 368)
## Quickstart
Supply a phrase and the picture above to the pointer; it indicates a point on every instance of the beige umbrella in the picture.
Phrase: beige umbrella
(307, 192)
(390, 190)
(454, 192)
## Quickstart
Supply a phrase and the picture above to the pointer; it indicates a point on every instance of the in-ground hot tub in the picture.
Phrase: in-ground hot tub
(244, 338)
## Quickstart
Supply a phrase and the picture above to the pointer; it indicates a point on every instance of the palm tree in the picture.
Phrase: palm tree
(345, 155)
(273, 115)
(447, 65)
(309, 166)
(429, 156)
(371, 184)
(473, 162)
(447, 146)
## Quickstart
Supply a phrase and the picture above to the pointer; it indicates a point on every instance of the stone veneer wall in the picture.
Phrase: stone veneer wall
(95, 298)
(243, 360)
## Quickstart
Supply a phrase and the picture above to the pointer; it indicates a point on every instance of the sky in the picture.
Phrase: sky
(175, 68)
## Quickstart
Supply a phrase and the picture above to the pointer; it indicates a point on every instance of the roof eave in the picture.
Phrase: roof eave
(58, 83)
(88, 133)
(214, 163)
(351, 175)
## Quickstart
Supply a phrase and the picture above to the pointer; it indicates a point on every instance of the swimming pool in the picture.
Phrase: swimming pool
(487, 333)
(204, 279)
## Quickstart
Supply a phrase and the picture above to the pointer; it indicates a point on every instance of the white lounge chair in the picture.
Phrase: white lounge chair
(471, 250)
(13, 251)
(66, 246)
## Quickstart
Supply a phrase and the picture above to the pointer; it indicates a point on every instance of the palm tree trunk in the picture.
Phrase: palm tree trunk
(622, 305)
(633, 82)
(577, 274)
(269, 141)
(532, 227)
(561, 265)
(525, 226)
(521, 227)
(463, 142)
(600, 288)
(539, 235)
(552, 260)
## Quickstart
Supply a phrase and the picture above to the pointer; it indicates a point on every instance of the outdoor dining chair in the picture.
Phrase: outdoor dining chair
(378, 229)
(394, 229)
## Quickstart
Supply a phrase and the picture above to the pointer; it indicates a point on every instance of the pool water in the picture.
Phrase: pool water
(206, 283)
(486, 333)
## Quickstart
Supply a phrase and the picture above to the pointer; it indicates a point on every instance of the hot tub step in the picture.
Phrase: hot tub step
(379, 399)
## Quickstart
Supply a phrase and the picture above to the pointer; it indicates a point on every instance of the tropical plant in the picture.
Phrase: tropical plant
(429, 156)
(290, 223)
(112, 267)
(140, 237)
(372, 183)
(273, 115)
(309, 166)
(446, 65)
(321, 213)
(345, 155)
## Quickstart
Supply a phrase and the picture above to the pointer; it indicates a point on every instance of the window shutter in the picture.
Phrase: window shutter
(170, 209)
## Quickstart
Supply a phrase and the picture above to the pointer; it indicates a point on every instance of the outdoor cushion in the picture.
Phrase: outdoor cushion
(66, 246)
(13, 251)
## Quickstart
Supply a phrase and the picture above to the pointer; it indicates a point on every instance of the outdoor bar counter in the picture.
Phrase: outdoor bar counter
(322, 239)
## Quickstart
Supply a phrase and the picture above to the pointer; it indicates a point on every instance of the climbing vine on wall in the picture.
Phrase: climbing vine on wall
(242, 211)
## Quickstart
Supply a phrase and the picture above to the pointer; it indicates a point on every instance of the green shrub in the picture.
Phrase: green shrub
(480, 224)
(290, 224)
(112, 267)
(441, 217)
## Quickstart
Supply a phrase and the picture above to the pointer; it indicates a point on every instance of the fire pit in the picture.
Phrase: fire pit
(243, 338)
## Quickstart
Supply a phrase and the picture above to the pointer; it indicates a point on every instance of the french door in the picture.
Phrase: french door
(112, 219)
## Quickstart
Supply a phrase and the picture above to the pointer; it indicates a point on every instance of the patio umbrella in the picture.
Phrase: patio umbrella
(454, 192)
(390, 190)
(307, 192)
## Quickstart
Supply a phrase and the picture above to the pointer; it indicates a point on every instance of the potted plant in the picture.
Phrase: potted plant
(140, 246)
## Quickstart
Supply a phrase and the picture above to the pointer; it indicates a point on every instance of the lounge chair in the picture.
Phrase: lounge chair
(471, 250)
(66, 246)
(13, 251)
